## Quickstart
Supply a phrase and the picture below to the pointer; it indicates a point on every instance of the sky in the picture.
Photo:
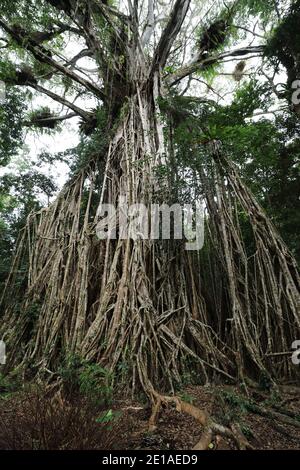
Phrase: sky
(35, 143)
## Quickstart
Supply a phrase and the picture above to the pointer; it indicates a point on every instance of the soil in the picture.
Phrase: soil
(178, 431)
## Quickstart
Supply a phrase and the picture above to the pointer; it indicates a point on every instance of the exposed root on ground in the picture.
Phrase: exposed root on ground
(210, 427)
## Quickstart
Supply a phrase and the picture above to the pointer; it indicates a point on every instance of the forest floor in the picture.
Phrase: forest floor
(38, 419)
(178, 431)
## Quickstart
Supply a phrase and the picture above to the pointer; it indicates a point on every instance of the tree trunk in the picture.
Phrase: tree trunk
(148, 309)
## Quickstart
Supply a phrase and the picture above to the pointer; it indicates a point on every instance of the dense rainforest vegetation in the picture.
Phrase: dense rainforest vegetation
(170, 102)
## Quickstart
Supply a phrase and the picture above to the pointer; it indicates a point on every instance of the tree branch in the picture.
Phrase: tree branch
(149, 26)
(113, 11)
(84, 114)
(44, 55)
(25, 77)
(80, 55)
(50, 121)
(201, 64)
(170, 32)
(69, 28)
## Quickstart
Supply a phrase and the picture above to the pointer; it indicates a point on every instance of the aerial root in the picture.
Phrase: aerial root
(210, 427)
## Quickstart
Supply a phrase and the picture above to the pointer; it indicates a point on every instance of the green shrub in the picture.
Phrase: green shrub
(95, 383)
(10, 383)
(89, 380)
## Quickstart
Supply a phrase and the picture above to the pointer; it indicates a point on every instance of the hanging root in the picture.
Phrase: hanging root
(111, 300)
(210, 427)
(149, 304)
